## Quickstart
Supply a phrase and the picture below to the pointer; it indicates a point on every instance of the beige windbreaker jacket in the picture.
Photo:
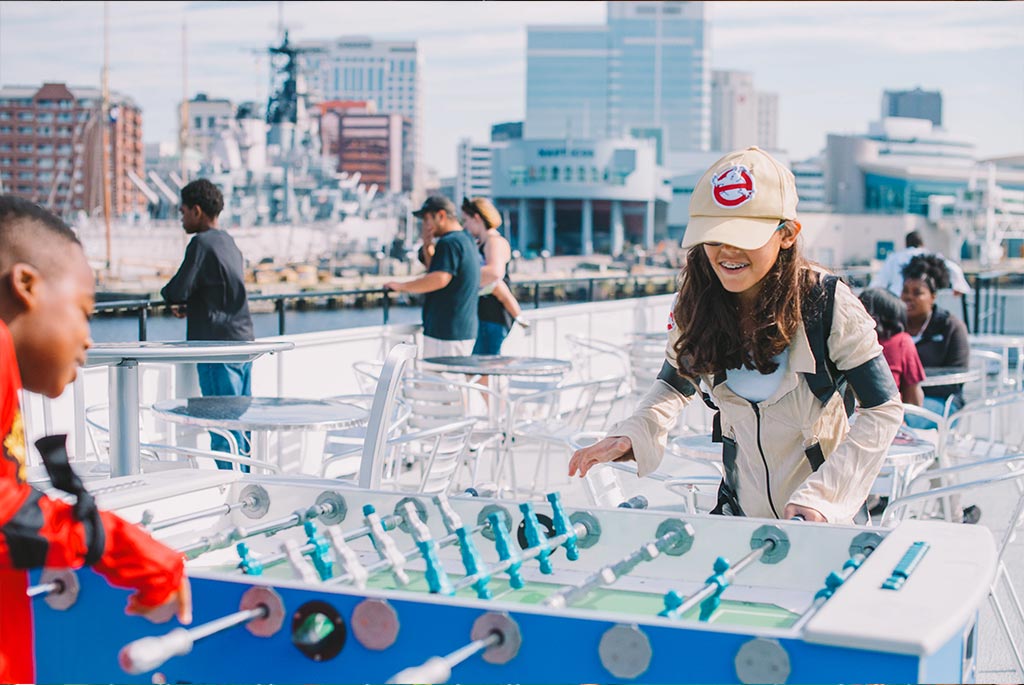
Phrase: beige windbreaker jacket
(771, 436)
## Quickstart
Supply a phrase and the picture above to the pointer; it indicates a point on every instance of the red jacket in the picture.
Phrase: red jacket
(37, 531)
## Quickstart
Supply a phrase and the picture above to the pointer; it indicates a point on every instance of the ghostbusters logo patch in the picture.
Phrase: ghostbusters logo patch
(733, 187)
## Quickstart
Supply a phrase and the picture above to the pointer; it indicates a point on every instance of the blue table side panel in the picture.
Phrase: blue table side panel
(946, 665)
(81, 645)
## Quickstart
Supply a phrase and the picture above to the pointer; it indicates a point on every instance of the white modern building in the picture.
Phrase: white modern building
(740, 115)
(581, 196)
(207, 119)
(473, 169)
(387, 72)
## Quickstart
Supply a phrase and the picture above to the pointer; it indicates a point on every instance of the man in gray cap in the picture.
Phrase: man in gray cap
(451, 283)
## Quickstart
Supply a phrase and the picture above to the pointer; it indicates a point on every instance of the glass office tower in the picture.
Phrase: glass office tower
(647, 68)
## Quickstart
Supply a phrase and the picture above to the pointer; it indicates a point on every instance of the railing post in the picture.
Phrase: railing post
(590, 290)
(977, 301)
(387, 305)
(143, 318)
(279, 306)
(536, 295)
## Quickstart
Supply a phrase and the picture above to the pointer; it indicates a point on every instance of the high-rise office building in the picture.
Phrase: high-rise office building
(768, 121)
(648, 67)
(473, 168)
(51, 148)
(387, 72)
(916, 104)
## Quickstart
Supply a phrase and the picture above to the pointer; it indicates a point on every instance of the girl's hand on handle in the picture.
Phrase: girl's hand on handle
(808, 514)
(610, 449)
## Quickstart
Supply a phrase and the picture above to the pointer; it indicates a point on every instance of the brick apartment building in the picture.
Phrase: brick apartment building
(51, 148)
(373, 144)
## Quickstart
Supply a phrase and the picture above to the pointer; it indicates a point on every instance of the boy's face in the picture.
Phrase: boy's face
(191, 218)
(53, 332)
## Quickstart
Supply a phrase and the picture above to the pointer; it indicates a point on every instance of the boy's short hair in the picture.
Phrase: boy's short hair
(29, 233)
(204, 194)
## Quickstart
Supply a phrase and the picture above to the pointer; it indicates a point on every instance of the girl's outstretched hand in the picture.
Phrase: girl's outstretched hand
(807, 513)
(609, 449)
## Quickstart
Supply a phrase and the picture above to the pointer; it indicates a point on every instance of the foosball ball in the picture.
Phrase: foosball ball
(302, 580)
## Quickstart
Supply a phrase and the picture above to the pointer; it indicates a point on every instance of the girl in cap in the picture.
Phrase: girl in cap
(498, 309)
(739, 328)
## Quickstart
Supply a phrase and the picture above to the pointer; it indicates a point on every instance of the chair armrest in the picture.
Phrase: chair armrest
(195, 453)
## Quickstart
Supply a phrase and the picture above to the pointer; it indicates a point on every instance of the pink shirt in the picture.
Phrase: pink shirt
(901, 353)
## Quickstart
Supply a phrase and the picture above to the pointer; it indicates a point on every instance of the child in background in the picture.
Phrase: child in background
(890, 315)
(46, 298)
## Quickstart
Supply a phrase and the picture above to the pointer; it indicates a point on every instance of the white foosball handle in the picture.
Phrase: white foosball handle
(434, 670)
(147, 653)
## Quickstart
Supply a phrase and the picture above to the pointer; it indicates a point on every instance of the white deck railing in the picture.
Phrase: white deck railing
(320, 365)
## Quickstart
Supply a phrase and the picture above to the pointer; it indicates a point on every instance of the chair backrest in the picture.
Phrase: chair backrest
(993, 370)
(986, 428)
(367, 373)
(646, 356)
(375, 445)
(597, 358)
(979, 475)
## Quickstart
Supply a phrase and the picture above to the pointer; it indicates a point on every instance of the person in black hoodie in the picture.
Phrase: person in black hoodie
(940, 337)
(209, 289)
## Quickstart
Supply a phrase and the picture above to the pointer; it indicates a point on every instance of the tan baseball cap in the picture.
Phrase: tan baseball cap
(741, 200)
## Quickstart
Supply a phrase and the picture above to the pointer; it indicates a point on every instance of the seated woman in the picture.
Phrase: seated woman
(940, 337)
(890, 315)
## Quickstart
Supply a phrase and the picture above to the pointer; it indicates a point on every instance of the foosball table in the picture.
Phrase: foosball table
(305, 580)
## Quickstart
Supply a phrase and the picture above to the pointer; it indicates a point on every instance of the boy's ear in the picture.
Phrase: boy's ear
(25, 280)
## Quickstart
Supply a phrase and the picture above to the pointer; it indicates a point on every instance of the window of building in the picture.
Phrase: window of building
(64, 116)
(25, 147)
(568, 174)
(542, 174)
(25, 116)
(6, 161)
(65, 104)
(45, 116)
(6, 147)
(26, 175)
(5, 116)
(554, 173)
(46, 149)
(44, 131)
(5, 129)
(593, 174)
(26, 130)
(25, 161)
(197, 122)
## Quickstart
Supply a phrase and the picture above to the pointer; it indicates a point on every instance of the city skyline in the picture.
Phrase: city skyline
(829, 62)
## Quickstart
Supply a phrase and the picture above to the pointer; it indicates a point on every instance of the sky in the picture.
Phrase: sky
(828, 61)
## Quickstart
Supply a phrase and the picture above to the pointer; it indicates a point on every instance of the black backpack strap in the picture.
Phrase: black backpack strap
(827, 379)
(53, 449)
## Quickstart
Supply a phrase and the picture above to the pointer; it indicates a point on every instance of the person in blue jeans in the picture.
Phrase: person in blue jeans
(227, 379)
(209, 291)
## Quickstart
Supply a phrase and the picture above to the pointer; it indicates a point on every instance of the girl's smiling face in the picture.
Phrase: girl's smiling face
(741, 271)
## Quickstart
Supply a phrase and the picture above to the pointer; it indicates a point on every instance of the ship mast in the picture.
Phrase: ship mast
(183, 122)
(105, 123)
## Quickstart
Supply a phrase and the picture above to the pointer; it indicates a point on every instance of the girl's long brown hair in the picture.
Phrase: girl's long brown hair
(711, 338)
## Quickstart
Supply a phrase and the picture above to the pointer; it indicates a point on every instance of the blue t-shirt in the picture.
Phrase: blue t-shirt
(450, 313)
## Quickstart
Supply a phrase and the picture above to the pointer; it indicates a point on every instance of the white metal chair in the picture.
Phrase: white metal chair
(972, 477)
(342, 449)
(548, 419)
(435, 402)
(160, 454)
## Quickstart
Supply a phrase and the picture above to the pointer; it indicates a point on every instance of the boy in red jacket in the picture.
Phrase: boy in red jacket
(46, 299)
